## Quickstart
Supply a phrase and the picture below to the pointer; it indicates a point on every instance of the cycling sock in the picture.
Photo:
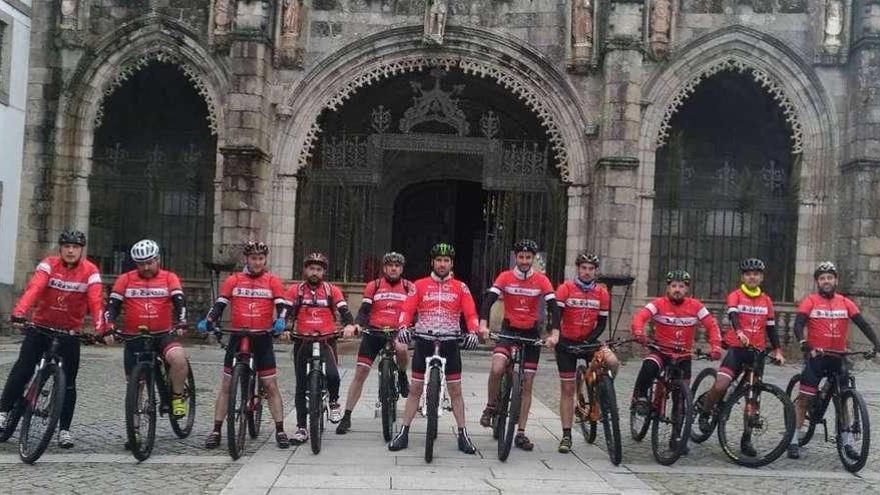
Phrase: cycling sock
(347, 414)
(520, 431)
(218, 425)
(566, 432)
(279, 426)
(794, 438)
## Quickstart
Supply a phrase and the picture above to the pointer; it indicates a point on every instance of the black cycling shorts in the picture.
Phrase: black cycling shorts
(736, 359)
(262, 350)
(531, 354)
(423, 349)
(566, 362)
(816, 368)
(371, 346)
(160, 346)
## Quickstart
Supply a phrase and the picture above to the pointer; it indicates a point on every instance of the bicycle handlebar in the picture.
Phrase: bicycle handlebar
(58, 332)
(315, 336)
(525, 340)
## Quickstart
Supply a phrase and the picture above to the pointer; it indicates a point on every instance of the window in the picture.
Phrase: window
(5, 56)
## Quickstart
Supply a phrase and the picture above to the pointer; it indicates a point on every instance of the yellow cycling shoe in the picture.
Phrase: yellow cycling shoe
(178, 407)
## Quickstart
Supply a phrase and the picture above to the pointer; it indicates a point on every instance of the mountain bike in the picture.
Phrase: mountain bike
(388, 389)
(509, 398)
(244, 412)
(434, 394)
(317, 395)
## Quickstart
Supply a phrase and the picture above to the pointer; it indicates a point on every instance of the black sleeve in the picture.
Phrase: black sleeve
(555, 313)
(866, 329)
(601, 323)
(800, 321)
(733, 318)
(111, 310)
(216, 312)
(773, 336)
(486, 308)
(179, 304)
(282, 309)
(345, 315)
(363, 317)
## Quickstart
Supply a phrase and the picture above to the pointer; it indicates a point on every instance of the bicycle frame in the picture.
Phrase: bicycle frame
(434, 361)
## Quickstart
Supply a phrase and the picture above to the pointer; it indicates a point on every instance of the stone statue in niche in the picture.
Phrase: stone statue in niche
(222, 18)
(661, 22)
(581, 32)
(68, 14)
(833, 27)
(292, 17)
(871, 17)
(290, 51)
(435, 21)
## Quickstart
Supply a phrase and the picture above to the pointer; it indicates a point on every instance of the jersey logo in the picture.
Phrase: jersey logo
(67, 286)
(582, 303)
(390, 296)
(833, 314)
(752, 310)
(146, 292)
(522, 291)
(254, 293)
(440, 297)
(676, 321)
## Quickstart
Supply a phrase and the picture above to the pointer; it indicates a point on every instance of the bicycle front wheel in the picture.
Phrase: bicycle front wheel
(43, 401)
(584, 404)
(792, 391)
(183, 426)
(255, 410)
(610, 418)
(853, 430)
(671, 427)
(241, 390)
(316, 409)
(432, 404)
(505, 441)
(755, 430)
(12, 420)
(502, 403)
(638, 424)
(701, 386)
(387, 398)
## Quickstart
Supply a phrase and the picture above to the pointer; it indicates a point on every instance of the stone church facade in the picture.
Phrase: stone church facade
(656, 133)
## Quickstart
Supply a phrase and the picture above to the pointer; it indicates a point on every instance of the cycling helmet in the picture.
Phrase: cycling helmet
(442, 249)
(316, 259)
(752, 265)
(72, 236)
(144, 250)
(255, 247)
(678, 276)
(587, 258)
(525, 245)
(825, 267)
(393, 257)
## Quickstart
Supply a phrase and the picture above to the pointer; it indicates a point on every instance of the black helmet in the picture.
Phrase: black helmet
(825, 267)
(587, 258)
(316, 259)
(393, 257)
(256, 247)
(678, 276)
(525, 245)
(752, 265)
(72, 236)
(442, 249)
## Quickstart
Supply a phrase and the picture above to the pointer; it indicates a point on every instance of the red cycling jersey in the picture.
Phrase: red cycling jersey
(252, 299)
(581, 309)
(440, 303)
(522, 296)
(61, 295)
(146, 301)
(828, 320)
(387, 301)
(754, 315)
(675, 324)
(315, 307)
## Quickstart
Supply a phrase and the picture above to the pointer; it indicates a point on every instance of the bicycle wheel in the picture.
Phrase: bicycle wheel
(499, 422)
(387, 398)
(316, 409)
(671, 428)
(12, 419)
(638, 424)
(610, 418)
(432, 404)
(241, 389)
(183, 426)
(255, 411)
(140, 411)
(505, 442)
(43, 402)
(853, 430)
(704, 382)
(792, 391)
(582, 408)
(765, 422)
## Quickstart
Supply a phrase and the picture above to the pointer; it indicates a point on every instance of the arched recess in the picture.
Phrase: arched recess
(114, 59)
(797, 91)
(522, 71)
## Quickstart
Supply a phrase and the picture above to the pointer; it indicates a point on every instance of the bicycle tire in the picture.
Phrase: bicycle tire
(502, 402)
(316, 409)
(698, 435)
(432, 404)
(861, 413)
(137, 412)
(240, 391)
(387, 398)
(27, 452)
(582, 407)
(255, 411)
(610, 418)
(769, 390)
(678, 395)
(183, 426)
(12, 419)
(505, 442)
(639, 425)
(792, 391)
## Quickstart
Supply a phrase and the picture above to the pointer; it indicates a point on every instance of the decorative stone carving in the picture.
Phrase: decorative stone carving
(833, 27)
(222, 17)
(435, 21)
(435, 105)
(661, 24)
(290, 51)
(871, 18)
(581, 33)
(68, 14)
(292, 16)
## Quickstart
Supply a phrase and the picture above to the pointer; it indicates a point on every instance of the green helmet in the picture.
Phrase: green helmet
(678, 276)
(442, 249)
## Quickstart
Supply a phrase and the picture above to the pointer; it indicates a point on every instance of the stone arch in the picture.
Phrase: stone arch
(797, 89)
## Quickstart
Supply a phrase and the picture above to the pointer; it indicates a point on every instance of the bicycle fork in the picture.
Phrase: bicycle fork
(439, 362)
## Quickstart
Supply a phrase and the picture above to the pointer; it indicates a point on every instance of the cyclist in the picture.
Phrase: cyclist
(752, 322)
(585, 305)
(826, 315)
(440, 300)
(380, 308)
(60, 290)
(151, 297)
(675, 317)
(251, 295)
(523, 289)
(314, 302)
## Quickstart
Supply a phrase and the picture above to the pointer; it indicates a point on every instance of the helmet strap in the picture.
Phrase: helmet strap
(749, 292)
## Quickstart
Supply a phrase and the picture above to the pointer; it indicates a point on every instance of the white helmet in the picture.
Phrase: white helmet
(144, 250)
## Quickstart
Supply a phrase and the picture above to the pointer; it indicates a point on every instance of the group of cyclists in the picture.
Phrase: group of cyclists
(67, 286)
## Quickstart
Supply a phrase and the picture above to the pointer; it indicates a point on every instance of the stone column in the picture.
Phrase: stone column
(244, 204)
(283, 221)
(577, 228)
